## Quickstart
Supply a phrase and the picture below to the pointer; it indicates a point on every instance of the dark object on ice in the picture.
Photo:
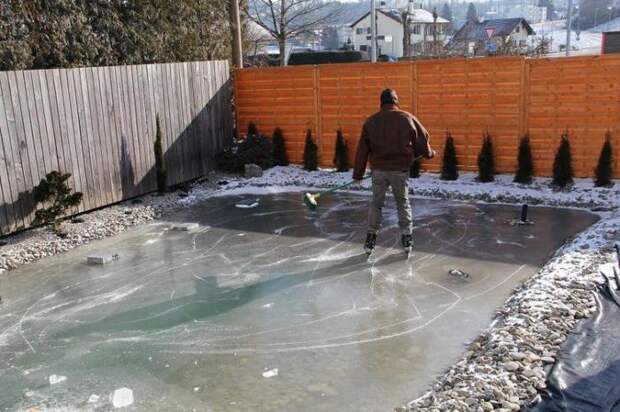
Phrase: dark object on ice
(371, 241)
(3, 243)
(524, 213)
(137, 201)
(457, 273)
(222, 183)
(77, 220)
(587, 371)
(183, 194)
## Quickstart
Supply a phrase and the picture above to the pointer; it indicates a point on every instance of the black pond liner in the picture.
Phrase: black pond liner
(586, 375)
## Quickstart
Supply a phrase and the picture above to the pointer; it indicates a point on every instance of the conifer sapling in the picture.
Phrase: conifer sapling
(525, 164)
(604, 168)
(160, 165)
(341, 155)
(252, 129)
(53, 192)
(280, 157)
(311, 161)
(486, 161)
(449, 168)
(562, 164)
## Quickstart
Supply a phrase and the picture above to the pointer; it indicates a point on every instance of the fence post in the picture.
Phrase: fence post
(523, 97)
(317, 110)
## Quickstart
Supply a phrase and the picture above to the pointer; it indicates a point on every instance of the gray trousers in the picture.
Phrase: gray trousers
(381, 180)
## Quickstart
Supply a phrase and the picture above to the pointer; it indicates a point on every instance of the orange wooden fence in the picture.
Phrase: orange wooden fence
(507, 97)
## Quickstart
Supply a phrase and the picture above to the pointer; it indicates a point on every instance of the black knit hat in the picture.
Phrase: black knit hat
(389, 96)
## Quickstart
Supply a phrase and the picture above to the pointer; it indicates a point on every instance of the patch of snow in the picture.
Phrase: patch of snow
(93, 398)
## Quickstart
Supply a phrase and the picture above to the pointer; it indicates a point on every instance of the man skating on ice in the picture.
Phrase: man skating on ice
(391, 139)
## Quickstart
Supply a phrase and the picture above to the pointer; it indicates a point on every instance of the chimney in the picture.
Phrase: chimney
(411, 7)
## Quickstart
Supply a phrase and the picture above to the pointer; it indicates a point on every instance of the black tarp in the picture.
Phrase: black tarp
(586, 375)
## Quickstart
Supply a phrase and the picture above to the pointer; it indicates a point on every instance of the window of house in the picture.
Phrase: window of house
(518, 30)
(368, 30)
(363, 47)
(359, 30)
(416, 29)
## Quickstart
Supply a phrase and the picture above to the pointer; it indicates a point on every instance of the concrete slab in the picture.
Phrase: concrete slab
(202, 320)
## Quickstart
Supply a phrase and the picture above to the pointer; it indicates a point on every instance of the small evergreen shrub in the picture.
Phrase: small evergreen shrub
(160, 164)
(604, 168)
(311, 155)
(562, 164)
(279, 148)
(54, 193)
(255, 149)
(252, 129)
(227, 161)
(449, 167)
(341, 155)
(525, 164)
(414, 170)
(486, 161)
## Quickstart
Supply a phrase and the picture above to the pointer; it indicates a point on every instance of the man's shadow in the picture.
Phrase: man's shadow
(211, 300)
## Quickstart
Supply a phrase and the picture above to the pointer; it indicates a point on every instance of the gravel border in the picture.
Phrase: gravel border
(502, 369)
(34, 244)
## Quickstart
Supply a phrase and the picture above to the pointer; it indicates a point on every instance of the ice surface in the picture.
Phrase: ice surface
(122, 397)
(295, 290)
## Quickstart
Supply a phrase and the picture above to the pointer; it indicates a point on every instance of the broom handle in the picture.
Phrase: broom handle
(342, 186)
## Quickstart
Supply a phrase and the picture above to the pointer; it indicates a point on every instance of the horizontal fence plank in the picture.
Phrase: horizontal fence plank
(99, 125)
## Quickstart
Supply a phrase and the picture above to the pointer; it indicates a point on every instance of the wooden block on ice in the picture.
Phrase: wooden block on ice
(186, 227)
(101, 259)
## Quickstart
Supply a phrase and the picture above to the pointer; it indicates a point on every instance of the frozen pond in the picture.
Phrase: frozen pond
(202, 319)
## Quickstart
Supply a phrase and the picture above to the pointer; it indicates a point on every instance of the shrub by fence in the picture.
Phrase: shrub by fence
(99, 125)
(507, 97)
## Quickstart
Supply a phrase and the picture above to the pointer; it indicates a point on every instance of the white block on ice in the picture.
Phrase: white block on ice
(270, 373)
(54, 379)
(122, 397)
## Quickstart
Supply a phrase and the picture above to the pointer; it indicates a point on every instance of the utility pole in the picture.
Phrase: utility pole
(373, 31)
(235, 20)
(568, 24)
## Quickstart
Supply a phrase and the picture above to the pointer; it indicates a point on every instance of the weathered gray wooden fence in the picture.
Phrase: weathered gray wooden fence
(99, 125)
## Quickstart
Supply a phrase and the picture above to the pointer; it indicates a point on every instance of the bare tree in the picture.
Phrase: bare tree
(406, 18)
(284, 19)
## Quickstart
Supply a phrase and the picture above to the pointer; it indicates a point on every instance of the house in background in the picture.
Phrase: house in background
(390, 31)
(497, 36)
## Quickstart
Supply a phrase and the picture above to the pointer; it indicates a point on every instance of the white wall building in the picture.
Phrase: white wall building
(390, 31)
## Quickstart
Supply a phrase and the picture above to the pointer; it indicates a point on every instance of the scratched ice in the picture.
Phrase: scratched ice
(272, 287)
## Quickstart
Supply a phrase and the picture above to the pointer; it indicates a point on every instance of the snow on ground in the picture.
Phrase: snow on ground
(505, 366)
(587, 42)
(611, 25)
